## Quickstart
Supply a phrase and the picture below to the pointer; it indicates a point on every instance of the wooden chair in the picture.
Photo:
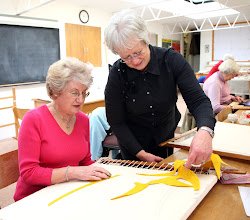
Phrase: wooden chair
(9, 170)
(18, 113)
(222, 115)
(9, 107)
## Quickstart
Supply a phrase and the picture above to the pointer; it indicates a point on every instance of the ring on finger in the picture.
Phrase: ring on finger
(203, 162)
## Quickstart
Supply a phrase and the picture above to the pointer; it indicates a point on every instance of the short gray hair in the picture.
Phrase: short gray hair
(66, 70)
(124, 27)
(229, 67)
(228, 56)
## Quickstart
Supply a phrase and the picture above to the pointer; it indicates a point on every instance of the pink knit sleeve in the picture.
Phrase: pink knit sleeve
(214, 94)
(87, 160)
(29, 144)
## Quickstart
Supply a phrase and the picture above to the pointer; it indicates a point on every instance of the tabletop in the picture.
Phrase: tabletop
(237, 106)
(223, 201)
(239, 114)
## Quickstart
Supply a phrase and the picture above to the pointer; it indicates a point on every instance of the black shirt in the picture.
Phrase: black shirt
(141, 107)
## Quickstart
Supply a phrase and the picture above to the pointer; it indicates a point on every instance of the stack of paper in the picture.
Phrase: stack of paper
(231, 178)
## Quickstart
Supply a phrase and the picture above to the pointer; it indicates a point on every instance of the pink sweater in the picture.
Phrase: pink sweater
(218, 91)
(43, 145)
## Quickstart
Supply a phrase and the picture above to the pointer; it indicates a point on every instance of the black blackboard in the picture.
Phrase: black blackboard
(26, 53)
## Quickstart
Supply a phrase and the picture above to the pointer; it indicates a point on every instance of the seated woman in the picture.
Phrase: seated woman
(53, 142)
(215, 68)
(217, 89)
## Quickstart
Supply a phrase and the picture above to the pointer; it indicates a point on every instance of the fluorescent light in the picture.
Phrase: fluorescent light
(187, 9)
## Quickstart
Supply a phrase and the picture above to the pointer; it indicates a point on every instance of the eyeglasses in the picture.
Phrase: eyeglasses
(77, 94)
(128, 59)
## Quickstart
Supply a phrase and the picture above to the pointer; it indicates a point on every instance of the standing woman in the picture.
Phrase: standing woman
(141, 94)
(53, 142)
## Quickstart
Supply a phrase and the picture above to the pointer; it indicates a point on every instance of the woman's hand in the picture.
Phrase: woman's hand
(200, 148)
(144, 156)
(91, 172)
(237, 99)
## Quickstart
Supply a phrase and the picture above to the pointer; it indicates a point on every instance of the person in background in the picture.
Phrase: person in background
(141, 94)
(217, 89)
(53, 142)
(216, 66)
(98, 132)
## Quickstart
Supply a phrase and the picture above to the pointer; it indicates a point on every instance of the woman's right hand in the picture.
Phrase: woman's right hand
(144, 156)
(90, 172)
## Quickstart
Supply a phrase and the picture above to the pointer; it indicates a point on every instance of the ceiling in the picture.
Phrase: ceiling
(174, 14)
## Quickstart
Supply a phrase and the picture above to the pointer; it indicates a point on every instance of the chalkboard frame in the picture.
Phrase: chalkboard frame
(26, 53)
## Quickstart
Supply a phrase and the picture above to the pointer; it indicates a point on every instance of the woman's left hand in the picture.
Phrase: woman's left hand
(238, 99)
(200, 148)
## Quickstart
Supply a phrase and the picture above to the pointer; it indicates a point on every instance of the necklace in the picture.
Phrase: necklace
(62, 118)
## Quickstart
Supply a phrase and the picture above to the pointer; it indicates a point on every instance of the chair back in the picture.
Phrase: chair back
(222, 115)
(18, 114)
(9, 170)
(13, 97)
(109, 143)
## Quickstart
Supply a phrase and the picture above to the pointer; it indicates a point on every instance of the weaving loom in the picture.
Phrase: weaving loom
(94, 201)
(231, 140)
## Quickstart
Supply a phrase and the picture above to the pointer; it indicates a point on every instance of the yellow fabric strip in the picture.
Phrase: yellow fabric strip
(190, 176)
(187, 175)
(78, 189)
(177, 164)
(138, 187)
(171, 181)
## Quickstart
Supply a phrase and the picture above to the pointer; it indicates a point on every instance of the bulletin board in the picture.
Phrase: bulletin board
(166, 43)
(235, 41)
(176, 45)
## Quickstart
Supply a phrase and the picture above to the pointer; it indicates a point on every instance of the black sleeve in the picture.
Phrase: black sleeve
(116, 111)
(197, 101)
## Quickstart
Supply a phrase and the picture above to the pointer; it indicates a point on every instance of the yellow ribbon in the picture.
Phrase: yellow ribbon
(187, 175)
(172, 180)
(78, 189)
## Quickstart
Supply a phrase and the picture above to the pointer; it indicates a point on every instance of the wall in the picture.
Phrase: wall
(206, 57)
(64, 13)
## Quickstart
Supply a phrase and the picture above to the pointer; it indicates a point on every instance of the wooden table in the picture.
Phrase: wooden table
(87, 108)
(223, 201)
(236, 106)
(239, 113)
(198, 75)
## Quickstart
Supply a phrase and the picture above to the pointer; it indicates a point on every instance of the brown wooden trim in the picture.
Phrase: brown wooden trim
(178, 137)
(213, 46)
(18, 84)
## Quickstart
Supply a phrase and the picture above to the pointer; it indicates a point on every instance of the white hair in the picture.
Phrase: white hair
(228, 56)
(229, 67)
(66, 70)
(125, 27)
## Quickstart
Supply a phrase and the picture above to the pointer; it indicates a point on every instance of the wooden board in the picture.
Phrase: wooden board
(94, 202)
(230, 140)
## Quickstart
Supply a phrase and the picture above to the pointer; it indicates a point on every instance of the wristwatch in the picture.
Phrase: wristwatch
(209, 130)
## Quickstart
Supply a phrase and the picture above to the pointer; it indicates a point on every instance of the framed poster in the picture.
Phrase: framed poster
(176, 45)
(166, 43)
